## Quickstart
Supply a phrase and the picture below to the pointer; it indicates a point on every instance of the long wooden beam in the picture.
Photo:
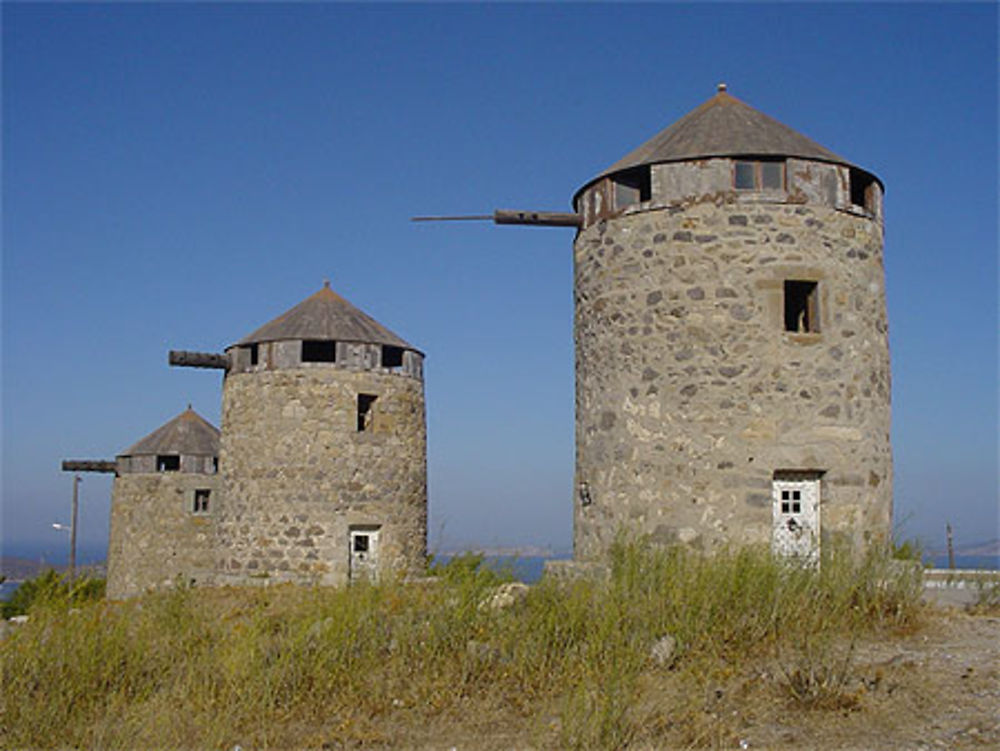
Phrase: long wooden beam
(537, 218)
(184, 359)
(508, 216)
(89, 465)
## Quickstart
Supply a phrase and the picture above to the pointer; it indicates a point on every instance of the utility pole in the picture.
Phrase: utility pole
(951, 547)
(72, 529)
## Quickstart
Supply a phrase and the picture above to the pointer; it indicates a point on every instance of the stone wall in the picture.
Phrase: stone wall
(298, 474)
(690, 394)
(156, 536)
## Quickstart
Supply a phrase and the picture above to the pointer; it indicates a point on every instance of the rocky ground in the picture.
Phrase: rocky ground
(935, 688)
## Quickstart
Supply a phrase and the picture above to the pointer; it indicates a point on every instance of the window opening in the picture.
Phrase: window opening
(801, 306)
(215, 464)
(771, 175)
(167, 463)
(743, 176)
(254, 354)
(759, 175)
(633, 187)
(365, 402)
(360, 543)
(392, 357)
(861, 187)
(314, 350)
(201, 497)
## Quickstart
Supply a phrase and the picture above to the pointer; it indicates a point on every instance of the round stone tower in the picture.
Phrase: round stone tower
(324, 449)
(732, 360)
(162, 507)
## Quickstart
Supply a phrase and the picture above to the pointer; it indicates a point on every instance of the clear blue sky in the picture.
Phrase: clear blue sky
(175, 175)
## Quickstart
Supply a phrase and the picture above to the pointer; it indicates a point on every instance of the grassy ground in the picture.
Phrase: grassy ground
(405, 665)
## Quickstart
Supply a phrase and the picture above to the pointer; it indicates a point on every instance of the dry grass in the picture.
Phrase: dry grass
(568, 667)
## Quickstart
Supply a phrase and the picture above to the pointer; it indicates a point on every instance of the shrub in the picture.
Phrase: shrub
(52, 587)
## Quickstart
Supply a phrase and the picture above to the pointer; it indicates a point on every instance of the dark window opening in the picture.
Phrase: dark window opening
(215, 464)
(796, 507)
(167, 463)
(392, 357)
(861, 190)
(201, 501)
(319, 351)
(633, 187)
(801, 306)
(784, 506)
(771, 175)
(365, 402)
(743, 176)
(759, 175)
(254, 354)
(360, 543)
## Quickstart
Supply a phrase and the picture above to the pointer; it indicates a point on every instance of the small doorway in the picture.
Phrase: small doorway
(364, 553)
(795, 500)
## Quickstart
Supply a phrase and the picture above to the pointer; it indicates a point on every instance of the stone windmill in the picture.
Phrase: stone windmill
(732, 360)
(323, 450)
(163, 502)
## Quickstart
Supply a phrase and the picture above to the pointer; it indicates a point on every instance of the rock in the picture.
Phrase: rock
(662, 651)
(506, 595)
(481, 651)
(19, 619)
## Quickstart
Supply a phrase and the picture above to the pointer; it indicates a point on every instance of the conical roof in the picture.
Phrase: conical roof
(325, 316)
(188, 433)
(724, 126)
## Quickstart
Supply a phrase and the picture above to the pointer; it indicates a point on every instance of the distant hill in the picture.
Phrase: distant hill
(525, 551)
(988, 548)
(983, 548)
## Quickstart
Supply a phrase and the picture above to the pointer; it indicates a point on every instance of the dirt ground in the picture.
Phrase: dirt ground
(937, 688)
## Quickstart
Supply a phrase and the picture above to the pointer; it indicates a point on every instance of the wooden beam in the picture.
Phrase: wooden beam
(184, 359)
(89, 465)
(537, 218)
(506, 216)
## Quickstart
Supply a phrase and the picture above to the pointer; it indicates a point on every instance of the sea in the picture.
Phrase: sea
(528, 569)
(7, 590)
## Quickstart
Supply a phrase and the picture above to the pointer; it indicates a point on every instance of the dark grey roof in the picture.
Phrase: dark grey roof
(188, 433)
(724, 126)
(325, 315)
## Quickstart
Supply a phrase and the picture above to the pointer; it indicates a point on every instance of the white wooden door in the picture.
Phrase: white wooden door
(796, 516)
(364, 554)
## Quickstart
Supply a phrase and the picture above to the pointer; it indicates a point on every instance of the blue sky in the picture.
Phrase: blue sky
(176, 175)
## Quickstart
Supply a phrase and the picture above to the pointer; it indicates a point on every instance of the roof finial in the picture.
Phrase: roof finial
(189, 406)
(722, 87)
(326, 284)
